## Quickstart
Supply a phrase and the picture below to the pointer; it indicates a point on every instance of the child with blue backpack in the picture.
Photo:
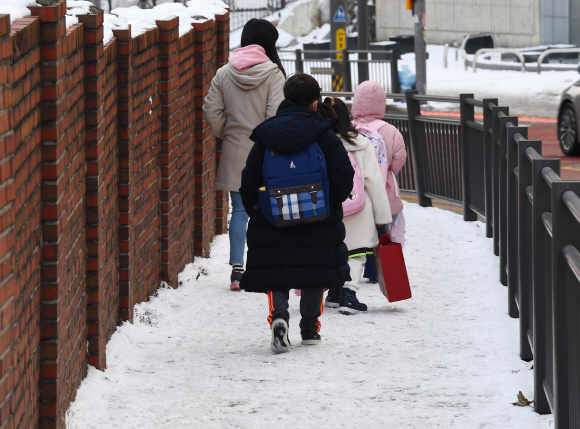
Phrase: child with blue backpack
(296, 177)
(367, 207)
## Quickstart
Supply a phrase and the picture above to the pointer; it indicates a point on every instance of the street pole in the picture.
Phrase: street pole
(362, 20)
(338, 42)
(420, 46)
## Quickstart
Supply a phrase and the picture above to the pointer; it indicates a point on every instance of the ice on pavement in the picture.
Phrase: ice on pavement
(199, 356)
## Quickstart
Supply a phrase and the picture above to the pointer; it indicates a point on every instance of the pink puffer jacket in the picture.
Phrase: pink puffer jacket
(368, 109)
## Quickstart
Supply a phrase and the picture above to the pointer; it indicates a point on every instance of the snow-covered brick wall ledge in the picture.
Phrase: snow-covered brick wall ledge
(138, 20)
(108, 187)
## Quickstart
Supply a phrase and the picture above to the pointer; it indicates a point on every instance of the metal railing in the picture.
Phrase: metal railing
(506, 50)
(353, 67)
(547, 52)
(240, 15)
(493, 170)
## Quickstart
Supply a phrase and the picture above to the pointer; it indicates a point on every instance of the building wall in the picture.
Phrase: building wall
(514, 24)
(554, 21)
(575, 22)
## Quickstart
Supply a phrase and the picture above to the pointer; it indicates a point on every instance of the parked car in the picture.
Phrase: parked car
(568, 120)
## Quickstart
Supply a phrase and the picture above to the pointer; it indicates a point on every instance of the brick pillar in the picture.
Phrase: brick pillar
(102, 177)
(223, 38)
(171, 207)
(205, 152)
(6, 228)
(187, 141)
(125, 122)
(27, 173)
(63, 271)
(223, 50)
(145, 222)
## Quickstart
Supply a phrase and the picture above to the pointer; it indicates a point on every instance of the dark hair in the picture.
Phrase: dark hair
(342, 123)
(302, 89)
(263, 33)
(325, 110)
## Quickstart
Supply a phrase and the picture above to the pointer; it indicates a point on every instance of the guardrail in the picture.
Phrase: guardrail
(555, 51)
(506, 50)
(340, 71)
(240, 15)
(494, 171)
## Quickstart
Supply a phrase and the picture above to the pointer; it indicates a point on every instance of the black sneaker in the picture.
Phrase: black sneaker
(310, 338)
(280, 343)
(349, 303)
(333, 297)
(373, 281)
(236, 277)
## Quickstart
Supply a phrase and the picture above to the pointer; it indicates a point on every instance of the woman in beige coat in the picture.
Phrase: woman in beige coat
(243, 94)
(361, 228)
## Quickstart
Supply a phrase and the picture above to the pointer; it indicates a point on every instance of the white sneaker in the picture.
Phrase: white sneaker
(280, 343)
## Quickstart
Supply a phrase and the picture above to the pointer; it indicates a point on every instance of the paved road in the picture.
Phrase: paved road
(569, 165)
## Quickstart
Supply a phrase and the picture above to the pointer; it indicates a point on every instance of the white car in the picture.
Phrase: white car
(568, 120)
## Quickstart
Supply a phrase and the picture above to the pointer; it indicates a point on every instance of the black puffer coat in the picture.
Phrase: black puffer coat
(304, 256)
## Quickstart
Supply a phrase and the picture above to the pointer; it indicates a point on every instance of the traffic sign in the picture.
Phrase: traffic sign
(340, 15)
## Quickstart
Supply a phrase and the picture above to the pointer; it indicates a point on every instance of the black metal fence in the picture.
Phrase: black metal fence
(493, 170)
(239, 15)
(353, 67)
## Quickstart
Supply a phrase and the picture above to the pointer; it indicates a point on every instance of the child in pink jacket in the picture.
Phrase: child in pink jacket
(368, 110)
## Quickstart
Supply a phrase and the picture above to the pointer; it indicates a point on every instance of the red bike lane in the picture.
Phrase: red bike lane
(569, 165)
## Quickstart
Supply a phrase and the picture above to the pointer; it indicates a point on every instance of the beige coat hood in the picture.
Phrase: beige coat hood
(236, 103)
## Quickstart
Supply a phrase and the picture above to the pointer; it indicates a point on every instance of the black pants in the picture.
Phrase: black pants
(311, 307)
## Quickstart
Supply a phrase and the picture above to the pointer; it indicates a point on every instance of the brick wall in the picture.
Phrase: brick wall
(223, 43)
(63, 266)
(206, 62)
(102, 157)
(6, 229)
(107, 174)
(177, 146)
(27, 173)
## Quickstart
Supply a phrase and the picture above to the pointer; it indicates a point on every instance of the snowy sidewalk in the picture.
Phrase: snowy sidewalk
(199, 356)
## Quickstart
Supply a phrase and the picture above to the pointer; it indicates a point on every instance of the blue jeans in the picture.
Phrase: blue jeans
(238, 225)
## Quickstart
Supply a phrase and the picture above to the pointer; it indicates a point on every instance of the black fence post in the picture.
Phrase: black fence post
(347, 72)
(488, 104)
(511, 212)
(418, 145)
(495, 113)
(566, 231)
(467, 114)
(525, 245)
(503, 186)
(542, 286)
(299, 61)
(395, 84)
(363, 66)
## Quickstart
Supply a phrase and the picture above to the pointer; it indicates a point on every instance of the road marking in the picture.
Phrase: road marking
(575, 167)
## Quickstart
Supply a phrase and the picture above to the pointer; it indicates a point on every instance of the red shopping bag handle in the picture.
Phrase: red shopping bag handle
(385, 240)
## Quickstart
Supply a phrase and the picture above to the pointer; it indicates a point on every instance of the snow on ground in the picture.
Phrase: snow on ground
(527, 94)
(199, 356)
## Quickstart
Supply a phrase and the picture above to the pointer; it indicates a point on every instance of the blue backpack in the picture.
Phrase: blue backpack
(295, 187)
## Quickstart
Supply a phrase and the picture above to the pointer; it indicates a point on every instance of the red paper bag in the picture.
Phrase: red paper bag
(391, 270)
